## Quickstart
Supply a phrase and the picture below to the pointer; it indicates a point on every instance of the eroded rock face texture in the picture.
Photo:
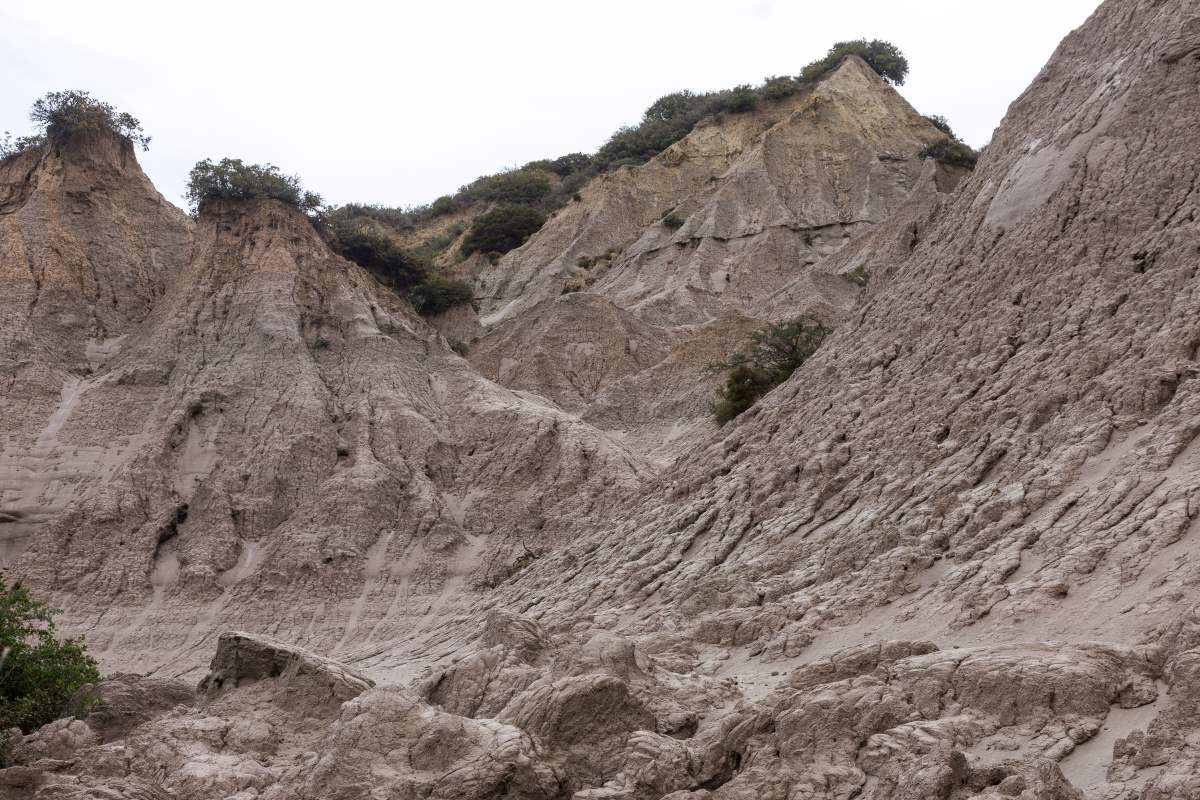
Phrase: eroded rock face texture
(951, 557)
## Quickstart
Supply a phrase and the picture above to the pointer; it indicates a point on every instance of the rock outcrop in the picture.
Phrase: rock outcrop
(617, 306)
(280, 435)
(951, 557)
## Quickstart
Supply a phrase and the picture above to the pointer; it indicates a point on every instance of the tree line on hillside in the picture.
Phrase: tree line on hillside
(546, 185)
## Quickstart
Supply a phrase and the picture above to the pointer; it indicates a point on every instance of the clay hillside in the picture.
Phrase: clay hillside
(363, 504)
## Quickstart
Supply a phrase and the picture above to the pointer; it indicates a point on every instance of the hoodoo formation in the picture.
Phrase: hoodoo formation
(360, 503)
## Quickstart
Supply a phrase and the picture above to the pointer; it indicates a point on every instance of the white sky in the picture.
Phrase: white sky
(399, 102)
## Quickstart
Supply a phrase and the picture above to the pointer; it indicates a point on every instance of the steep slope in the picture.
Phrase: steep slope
(298, 452)
(691, 247)
(86, 247)
(996, 450)
(952, 557)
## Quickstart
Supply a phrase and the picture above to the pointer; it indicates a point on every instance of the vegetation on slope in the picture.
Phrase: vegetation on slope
(546, 185)
(772, 355)
(950, 150)
(403, 272)
(502, 229)
(38, 672)
(60, 115)
(232, 179)
(352, 237)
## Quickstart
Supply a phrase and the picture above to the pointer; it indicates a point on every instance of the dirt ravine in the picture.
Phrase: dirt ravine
(954, 556)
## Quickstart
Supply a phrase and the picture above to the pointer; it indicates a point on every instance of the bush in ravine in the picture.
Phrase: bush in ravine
(378, 254)
(883, 57)
(942, 124)
(402, 271)
(38, 672)
(502, 229)
(773, 354)
(437, 294)
(231, 179)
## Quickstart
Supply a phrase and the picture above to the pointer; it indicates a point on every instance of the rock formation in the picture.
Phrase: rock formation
(675, 259)
(949, 558)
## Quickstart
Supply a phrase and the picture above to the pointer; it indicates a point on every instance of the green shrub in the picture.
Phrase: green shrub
(10, 147)
(740, 99)
(431, 248)
(859, 276)
(883, 57)
(437, 294)
(378, 254)
(516, 187)
(774, 353)
(673, 221)
(942, 124)
(61, 114)
(38, 672)
(744, 384)
(402, 271)
(231, 179)
(399, 218)
(459, 346)
(563, 165)
(673, 107)
(950, 151)
(777, 88)
(502, 229)
(442, 206)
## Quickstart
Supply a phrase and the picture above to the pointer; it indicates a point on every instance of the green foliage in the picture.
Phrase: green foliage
(431, 248)
(518, 186)
(442, 206)
(942, 124)
(61, 114)
(378, 254)
(951, 151)
(459, 346)
(231, 179)
(10, 147)
(777, 88)
(437, 294)
(403, 272)
(546, 185)
(740, 99)
(673, 107)
(859, 276)
(502, 229)
(673, 221)
(399, 218)
(38, 672)
(563, 165)
(774, 353)
(883, 57)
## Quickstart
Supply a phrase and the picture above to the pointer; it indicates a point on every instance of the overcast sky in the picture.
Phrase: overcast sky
(399, 102)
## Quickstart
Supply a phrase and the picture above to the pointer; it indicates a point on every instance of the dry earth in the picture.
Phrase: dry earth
(953, 557)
